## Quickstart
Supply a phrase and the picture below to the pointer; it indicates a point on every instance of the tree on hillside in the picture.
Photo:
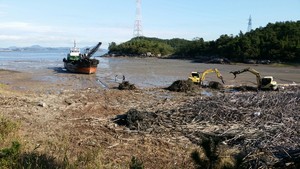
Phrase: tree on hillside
(277, 41)
(141, 46)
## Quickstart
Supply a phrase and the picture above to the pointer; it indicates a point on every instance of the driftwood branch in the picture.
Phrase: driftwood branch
(263, 121)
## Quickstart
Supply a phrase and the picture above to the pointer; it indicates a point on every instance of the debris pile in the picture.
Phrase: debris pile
(125, 85)
(182, 86)
(264, 125)
(134, 119)
(244, 88)
(215, 85)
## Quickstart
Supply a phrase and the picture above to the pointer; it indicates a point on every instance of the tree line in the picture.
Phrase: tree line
(278, 41)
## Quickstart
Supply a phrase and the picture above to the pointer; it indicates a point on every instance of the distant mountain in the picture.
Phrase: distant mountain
(103, 50)
(12, 47)
(41, 48)
(35, 47)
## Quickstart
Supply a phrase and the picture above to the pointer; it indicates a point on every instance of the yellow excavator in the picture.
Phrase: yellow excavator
(199, 78)
(265, 83)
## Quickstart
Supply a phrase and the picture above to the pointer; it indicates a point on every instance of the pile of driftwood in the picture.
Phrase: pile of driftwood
(182, 86)
(264, 125)
(189, 86)
(125, 85)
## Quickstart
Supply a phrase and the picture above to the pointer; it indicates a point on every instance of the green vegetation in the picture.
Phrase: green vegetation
(214, 156)
(6, 127)
(2, 86)
(8, 155)
(14, 156)
(136, 163)
(276, 42)
(141, 46)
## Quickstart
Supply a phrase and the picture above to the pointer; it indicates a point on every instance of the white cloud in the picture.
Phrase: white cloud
(27, 34)
(10, 37)
(25, 27)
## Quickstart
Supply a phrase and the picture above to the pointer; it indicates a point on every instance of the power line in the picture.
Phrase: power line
(137, 30)
(249, 24)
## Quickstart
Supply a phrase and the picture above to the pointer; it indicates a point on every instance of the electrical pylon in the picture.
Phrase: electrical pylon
(137, 31)
(249, 24)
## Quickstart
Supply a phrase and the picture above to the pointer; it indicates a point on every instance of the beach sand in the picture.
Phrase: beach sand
(75, 111)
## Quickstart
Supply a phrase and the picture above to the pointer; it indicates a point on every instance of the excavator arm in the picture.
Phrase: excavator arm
(266, 83)
(256, 73)
(211, 71)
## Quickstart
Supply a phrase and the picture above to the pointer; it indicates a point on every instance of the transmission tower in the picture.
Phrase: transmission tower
(249, 24)
(137, 31)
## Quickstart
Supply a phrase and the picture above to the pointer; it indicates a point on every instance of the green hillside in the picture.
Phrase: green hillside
(276, 42)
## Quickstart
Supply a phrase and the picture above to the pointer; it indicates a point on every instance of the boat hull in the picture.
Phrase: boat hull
(85, 66)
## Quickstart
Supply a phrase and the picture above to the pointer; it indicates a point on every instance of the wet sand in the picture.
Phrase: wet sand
(144, 73)
(152, 72)
(75, 111)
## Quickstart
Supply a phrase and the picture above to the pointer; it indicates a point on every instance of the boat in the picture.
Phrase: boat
(77, 62)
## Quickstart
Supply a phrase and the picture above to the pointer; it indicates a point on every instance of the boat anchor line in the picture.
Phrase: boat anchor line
(102, 84)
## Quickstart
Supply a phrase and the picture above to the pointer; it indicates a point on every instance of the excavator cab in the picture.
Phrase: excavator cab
(195, 77)
(198, 78)
(266, 80)
(268, 83)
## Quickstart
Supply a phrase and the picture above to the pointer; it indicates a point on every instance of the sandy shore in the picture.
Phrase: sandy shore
(144, 73)
(60, 109)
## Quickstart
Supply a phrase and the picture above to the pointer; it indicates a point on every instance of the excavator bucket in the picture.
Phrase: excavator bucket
(222, 79)
(239, 72)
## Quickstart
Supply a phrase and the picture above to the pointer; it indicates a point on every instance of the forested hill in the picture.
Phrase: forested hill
(276, 42)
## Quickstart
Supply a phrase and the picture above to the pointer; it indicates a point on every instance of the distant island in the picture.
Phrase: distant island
(32, 48)
(276, 42)
(40, 48)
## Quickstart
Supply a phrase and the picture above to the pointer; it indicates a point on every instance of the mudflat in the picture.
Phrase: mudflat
(143, 72)
(84, 113)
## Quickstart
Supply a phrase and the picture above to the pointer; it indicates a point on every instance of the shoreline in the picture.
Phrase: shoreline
(81, 121)
(207, 61)
(59, 110)
(142, 72)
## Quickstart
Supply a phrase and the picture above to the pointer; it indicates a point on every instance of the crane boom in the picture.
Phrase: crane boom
(92, 51)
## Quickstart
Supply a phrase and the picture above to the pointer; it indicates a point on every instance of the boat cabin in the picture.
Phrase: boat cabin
(74, 53)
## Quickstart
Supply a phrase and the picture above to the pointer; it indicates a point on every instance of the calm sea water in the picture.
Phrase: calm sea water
(33, 60)
(143, 72)
(48, 66)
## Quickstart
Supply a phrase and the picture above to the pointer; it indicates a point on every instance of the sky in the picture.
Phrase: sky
(57, 23)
